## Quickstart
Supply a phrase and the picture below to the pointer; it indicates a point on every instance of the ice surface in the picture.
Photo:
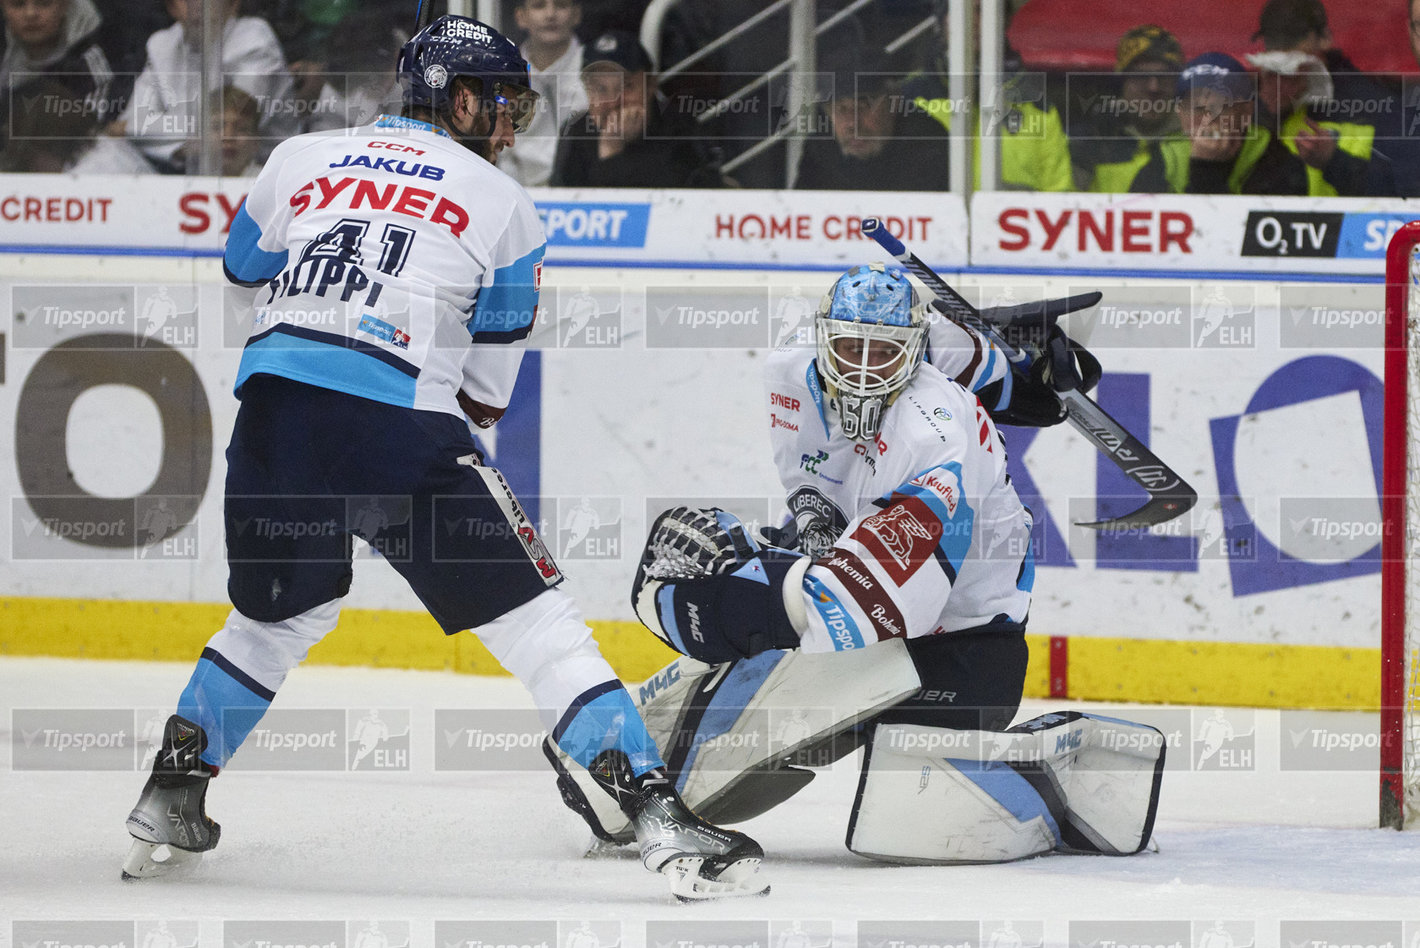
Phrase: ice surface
(1263, 851)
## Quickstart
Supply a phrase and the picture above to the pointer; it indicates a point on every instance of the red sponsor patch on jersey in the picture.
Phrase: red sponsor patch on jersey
(871, 596)
(901, 538)
(945, 489)
(537, 277)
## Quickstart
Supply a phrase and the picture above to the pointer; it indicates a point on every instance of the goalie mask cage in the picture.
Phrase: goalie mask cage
(1400, 540)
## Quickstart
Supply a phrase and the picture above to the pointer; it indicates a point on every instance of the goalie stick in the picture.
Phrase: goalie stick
(1170, 495)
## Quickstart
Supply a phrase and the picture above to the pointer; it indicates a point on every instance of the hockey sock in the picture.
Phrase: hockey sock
(604, 718)
(226, 702)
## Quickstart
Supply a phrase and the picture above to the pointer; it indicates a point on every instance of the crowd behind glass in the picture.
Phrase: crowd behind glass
(184, 87)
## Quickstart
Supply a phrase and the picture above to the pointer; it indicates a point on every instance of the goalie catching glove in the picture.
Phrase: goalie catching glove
(707, 589)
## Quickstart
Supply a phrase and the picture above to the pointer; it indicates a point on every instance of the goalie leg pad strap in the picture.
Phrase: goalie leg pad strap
(1068, 782)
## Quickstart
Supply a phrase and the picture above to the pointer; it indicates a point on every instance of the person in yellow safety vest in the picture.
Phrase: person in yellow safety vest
(1133, 140)
(1035, 153)
(1229, 153)
(1344, 126)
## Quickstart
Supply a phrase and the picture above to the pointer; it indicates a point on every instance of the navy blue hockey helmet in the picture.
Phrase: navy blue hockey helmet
(454, 46)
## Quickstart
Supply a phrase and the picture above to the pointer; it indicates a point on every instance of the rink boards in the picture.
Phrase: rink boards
(642, 389)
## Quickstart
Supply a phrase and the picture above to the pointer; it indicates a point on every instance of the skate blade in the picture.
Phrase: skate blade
(150, 860)
(601, 849)
(689, 884)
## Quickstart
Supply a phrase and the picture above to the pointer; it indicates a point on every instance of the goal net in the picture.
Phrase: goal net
(1400, 590)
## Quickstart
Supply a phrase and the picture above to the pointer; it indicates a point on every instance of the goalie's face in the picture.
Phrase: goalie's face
(871, 336)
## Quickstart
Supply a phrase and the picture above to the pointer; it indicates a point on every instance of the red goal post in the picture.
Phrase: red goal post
(1400, 540)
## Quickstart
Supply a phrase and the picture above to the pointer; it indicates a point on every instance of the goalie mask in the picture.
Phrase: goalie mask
(871, 336)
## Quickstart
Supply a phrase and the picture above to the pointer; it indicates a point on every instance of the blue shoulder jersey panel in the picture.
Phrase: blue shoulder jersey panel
(244, 262)
(507, 306)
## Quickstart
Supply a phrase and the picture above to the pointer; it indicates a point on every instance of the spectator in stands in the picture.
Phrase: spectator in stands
(237, 117)
(162, 117)
(57, 63)
(627, 137)
(555, 55)
(1034, 151)
(880, 140)
(1230, 153)
(41, 138)
(1294, 87)
(1414, 24)
(1135, 141)
(344, 80)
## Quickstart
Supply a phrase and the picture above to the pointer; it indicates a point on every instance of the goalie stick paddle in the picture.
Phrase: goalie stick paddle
(1170, 496)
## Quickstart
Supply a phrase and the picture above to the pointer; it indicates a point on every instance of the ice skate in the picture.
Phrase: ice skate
(701, 860)
(169, 826)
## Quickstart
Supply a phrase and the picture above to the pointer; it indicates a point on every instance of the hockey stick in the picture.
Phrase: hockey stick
(1170, 496)
(423, 14)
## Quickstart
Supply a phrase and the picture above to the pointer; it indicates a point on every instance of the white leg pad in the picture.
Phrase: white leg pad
(1066, 782)
(715, 724)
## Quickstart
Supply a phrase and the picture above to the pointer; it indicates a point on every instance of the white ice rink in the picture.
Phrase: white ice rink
(1250, 856)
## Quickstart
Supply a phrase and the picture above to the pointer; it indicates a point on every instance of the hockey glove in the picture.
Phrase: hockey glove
(1053, 362)
(708, 590)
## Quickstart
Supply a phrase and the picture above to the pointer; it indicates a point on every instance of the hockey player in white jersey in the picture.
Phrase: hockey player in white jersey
(891, 613)
(396, 271)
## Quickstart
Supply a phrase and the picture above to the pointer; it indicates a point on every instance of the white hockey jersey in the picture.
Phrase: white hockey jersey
(397, 266)
(918, 534)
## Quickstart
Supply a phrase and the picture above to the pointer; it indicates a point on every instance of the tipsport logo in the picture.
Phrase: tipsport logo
(149, 317)
(707, 317)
